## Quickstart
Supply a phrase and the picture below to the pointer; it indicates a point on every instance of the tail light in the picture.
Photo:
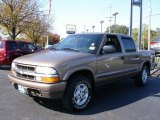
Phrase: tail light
(4, 53)
(153, 43)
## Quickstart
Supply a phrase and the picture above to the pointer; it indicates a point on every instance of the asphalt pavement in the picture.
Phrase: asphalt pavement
(121, 100)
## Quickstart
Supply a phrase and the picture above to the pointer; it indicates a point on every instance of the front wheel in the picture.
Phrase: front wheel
(78, 94)
(142, 78)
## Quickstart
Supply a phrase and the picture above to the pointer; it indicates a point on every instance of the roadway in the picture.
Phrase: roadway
(117, 101)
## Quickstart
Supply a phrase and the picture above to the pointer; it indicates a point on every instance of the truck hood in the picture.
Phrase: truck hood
(50, 58)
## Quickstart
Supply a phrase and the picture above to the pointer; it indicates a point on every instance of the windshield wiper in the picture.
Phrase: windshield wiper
(69, 49)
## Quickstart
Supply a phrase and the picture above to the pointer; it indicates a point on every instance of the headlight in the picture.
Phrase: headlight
(13, 66)
(45, 70)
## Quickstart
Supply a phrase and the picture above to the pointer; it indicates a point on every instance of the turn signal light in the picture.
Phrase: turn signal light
(50, 80)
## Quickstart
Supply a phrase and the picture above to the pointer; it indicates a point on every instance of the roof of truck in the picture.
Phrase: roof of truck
(104, 33)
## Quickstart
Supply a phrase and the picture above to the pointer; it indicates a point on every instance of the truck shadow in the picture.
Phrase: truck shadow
(110, 97)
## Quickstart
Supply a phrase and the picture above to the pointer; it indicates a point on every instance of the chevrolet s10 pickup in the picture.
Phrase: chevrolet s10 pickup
(72, 69)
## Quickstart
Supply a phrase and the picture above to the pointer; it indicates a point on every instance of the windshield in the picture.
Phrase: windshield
(84, 42)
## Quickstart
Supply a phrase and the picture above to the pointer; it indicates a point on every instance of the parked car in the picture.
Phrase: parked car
(155, 46)
(78, 64)
(52, 47)
(10, 50)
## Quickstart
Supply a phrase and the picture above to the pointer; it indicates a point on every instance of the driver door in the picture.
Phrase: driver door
(110, 65)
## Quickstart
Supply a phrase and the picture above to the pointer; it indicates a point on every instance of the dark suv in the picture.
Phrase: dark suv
(10, 50)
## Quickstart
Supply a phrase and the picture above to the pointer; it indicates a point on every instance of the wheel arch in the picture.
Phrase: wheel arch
(146, 63)
(85, 72)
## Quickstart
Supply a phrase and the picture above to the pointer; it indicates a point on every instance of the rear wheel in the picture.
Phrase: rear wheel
(142, 78)
(78, 94)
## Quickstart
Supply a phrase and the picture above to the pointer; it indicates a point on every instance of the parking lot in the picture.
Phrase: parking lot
(117, 101)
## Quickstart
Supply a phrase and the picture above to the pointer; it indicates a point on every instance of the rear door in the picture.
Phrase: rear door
(22, 48)
(26, 48)
(31, 48)
(132, 57)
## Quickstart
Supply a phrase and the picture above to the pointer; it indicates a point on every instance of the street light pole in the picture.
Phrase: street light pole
(101, 25)
(149, 24)
(93, 28)
(110, 19)
(115, 15)
(131, 21)
(140, 28)
(139, 4)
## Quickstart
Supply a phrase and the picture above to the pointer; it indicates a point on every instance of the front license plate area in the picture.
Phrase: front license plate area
(21, 89)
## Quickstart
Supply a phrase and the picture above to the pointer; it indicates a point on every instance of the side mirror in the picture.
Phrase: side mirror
(109, 49)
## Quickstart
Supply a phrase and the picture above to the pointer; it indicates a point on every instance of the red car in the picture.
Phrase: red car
(10, 50)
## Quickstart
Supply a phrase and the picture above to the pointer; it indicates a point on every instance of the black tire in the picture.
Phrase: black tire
(142, 78)
(74, 88)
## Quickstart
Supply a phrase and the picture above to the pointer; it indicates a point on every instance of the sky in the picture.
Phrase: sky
(87, 13)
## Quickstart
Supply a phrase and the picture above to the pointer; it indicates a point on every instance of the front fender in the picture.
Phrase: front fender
(72, 71)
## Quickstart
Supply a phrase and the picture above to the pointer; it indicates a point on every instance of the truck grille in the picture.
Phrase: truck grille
(28, 77)
(26, 68)
(25, 71)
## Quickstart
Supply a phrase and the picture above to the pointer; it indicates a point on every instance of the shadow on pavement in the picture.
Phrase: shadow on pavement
(5, 68)
(110, 97)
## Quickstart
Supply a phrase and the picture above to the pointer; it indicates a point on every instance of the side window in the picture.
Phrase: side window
(22, 46)
(128, 44)
(113, 40)
(1, 44)
(11, 45)
(30, 46)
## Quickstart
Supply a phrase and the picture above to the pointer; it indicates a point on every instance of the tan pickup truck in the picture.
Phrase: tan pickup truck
(72, 69)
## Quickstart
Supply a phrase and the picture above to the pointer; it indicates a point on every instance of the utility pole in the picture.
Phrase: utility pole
(84, 27)
(115, 15)
(101, 22)
(110, 19)
(47, 41)
(93, 28)
(149, 23)
(140, 28)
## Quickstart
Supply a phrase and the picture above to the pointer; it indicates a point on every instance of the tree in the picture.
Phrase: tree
(158, 29)
(144, 35)
(38, 27)
(122, 29)
(15, 15)
(54, 38)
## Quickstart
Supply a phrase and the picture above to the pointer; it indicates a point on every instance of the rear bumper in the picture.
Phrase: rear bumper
(53, 91)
